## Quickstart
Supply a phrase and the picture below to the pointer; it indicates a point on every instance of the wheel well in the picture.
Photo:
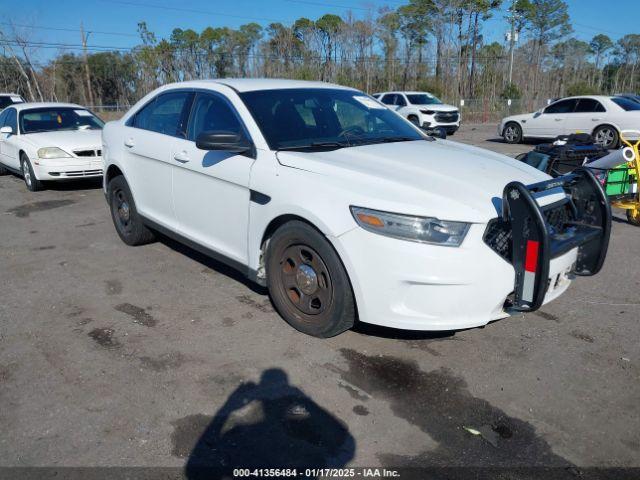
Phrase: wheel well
(112, 172)
(605, 125)
(20, 153)
(277, 223)
(281, 220)
(412, 115)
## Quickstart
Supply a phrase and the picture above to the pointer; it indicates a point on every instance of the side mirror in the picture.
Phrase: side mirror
(7, 129)
(225, 141)
(538, 113)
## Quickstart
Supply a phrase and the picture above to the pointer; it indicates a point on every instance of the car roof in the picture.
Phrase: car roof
(30, 106)
(405, 92)
(253, 84)
(595, 97)
(10, 95)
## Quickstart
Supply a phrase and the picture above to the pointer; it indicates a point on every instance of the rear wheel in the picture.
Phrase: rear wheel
(30, 180)
(606, 136)
(125, 217)
(307, 281)
(3, 171)
(512, 133)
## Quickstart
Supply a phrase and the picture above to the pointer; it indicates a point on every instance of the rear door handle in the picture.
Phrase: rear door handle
(558, 119)
(129, 143)
(595, 119)
(181, 157)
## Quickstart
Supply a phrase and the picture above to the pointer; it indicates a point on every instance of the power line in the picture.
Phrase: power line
(60, 29)
(323, 4)
(190, 10)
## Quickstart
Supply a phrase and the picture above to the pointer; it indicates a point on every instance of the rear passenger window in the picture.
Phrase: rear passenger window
(165, 114)
(589, 105)
(211, 113)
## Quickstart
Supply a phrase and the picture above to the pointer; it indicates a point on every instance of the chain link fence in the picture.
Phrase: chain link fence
(472, 110)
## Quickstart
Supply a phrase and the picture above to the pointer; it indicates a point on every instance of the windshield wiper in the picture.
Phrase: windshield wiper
(315, 146)
(372, 141)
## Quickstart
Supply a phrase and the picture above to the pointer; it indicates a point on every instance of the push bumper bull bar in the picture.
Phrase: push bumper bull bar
(536, 242)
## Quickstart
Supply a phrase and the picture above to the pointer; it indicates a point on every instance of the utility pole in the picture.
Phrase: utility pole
(512, 37)
(86, 65)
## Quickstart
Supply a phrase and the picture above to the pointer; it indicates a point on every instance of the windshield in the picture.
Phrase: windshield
(626, 104)
(308, 118)
(58, 118)
(423, 99)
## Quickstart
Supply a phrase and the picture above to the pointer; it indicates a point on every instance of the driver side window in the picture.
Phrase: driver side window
(11, 120)
(211, 113)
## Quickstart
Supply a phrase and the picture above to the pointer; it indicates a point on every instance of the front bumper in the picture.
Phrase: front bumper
(67, 168)
(416, 286)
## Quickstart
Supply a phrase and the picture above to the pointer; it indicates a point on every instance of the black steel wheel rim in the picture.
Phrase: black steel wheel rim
(122, 211)
(305, 280)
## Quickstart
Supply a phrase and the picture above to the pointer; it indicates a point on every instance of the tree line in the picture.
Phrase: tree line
(433, 45)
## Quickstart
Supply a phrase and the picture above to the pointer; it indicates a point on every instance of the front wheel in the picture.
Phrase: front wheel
(30, 180)
(308, 283)
(512, 133)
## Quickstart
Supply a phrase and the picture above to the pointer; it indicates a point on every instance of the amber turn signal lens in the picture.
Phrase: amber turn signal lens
(370, 220)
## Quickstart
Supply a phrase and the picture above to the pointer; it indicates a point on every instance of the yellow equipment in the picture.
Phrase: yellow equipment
(631, 201)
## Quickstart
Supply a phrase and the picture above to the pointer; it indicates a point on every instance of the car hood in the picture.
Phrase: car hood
(67, 140)
(443, 179)
(437, 107)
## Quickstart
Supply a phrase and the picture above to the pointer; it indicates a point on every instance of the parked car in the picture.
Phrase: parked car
(631, 96)
(7, 99)
(422, 109)
(50, 142)
(343, 209)
(601, 116)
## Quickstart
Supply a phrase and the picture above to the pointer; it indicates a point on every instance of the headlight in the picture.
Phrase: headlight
(52, 152)
(427, 112)
(408, 227)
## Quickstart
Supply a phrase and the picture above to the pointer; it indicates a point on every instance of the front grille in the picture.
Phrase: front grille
(88, 153)
(77, 173)
(446, 117)
(498, 234)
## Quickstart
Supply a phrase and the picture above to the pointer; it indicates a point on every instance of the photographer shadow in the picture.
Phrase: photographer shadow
(269, 425)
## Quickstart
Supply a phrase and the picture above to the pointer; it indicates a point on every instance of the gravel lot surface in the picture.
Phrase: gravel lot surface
(120, 356)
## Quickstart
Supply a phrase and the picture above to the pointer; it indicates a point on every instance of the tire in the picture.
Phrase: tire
(124, 214)
(30, 180)
(413, 119)
(307, 282)
(512, 133)
(3, 171)
(606, 136)
(633, 217)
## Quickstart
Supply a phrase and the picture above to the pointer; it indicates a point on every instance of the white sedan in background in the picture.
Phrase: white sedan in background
(603, 117)
(50, 141)
(346, 211)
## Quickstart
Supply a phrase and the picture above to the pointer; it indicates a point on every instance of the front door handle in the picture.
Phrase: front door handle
(129, 143)
(558, 119)
(181, 157)
(595, 119)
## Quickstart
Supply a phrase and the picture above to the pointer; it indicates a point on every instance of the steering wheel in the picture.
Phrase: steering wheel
(354, 130)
